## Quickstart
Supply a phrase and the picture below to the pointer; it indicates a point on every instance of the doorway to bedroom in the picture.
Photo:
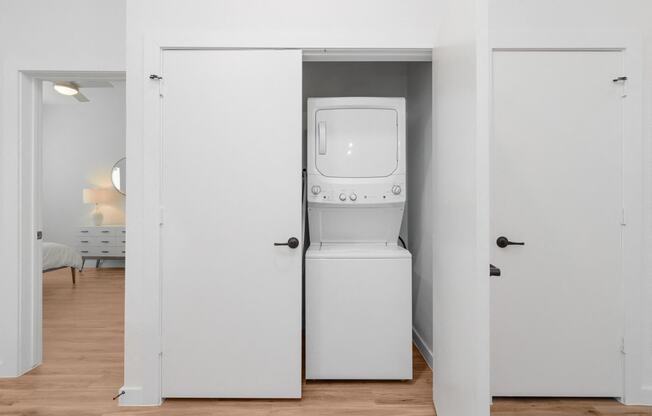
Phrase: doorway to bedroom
(80, 203)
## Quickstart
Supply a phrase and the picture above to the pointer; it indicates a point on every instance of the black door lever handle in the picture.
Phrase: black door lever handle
(293, 242)
(503, 242)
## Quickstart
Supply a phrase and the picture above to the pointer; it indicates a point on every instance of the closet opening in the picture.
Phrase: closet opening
(411, 81)
(231, 135)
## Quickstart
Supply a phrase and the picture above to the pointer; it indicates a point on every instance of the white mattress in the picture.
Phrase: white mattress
(59, 255)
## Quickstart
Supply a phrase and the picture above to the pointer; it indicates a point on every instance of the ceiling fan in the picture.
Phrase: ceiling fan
(71, 88)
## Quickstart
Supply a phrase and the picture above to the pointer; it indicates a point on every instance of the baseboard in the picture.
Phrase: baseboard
(133, 396)
(640, 397)
(422, 347)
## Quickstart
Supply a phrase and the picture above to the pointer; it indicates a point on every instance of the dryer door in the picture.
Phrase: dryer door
(356, 142)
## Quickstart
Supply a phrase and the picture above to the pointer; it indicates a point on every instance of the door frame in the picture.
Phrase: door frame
(142, 384)
(20, 164)
(633, 237)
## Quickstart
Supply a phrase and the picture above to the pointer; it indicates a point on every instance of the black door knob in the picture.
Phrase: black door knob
(292, 242)
(503, 242)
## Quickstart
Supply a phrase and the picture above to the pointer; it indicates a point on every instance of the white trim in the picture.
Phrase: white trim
(19, 142)
(20, 292)
(45, 75)
(560, 40)
(133, 396)
(635, 392)
(29, 285)
(366, 55)
(422, 347)
(336, 54)
(147, 324)
(142, 353)
(213, 40)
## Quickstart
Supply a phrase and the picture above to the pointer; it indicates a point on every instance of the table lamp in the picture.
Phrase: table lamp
(95, 196)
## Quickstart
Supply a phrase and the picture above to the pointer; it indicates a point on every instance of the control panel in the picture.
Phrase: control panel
(367, 193)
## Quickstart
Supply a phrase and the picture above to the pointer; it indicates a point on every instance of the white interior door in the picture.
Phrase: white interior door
(557, 313)
(231, 299)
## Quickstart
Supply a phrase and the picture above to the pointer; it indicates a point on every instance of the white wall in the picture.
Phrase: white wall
(89, 35)
(63, 34)
(461, 204)
(81, 143)
(420, 210)
(282, 23)
(40, 35)
(631, 17)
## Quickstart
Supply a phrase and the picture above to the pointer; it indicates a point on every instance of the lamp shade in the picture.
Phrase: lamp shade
(94, 195)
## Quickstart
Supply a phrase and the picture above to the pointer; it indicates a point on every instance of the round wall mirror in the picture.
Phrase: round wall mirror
(119, 176)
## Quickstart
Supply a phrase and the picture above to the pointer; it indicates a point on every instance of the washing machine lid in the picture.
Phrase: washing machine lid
(356, 251)
(356, 142)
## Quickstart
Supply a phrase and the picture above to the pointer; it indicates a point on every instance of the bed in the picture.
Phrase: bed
(60, 256)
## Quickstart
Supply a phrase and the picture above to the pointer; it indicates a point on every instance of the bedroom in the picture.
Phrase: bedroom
(82, 210)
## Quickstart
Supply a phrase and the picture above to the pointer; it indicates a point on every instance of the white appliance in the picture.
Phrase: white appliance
(358, 280)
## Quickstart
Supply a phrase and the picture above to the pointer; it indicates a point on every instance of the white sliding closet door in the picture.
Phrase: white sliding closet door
(231, 299)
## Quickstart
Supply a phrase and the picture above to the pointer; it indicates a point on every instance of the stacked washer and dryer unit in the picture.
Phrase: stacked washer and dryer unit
(358, 279)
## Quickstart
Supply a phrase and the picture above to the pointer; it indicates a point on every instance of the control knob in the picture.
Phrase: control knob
(316, 189)
(342, 197)
(353, 197)
(396, 189)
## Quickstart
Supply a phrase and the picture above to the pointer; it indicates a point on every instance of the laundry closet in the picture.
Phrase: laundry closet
(358, 278)
(239, 213)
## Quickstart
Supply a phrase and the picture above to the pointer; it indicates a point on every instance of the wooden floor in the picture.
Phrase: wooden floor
(82, 370)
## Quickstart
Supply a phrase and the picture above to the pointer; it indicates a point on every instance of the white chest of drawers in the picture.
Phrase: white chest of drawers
(102, 243)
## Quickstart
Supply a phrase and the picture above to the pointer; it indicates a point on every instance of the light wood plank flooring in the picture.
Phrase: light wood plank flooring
(82, 370)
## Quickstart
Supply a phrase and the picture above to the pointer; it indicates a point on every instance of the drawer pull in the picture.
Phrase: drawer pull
(105, 241)
(105, 231)
(104, 251)
(84, 241)
(84, 231)
(84, 251)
